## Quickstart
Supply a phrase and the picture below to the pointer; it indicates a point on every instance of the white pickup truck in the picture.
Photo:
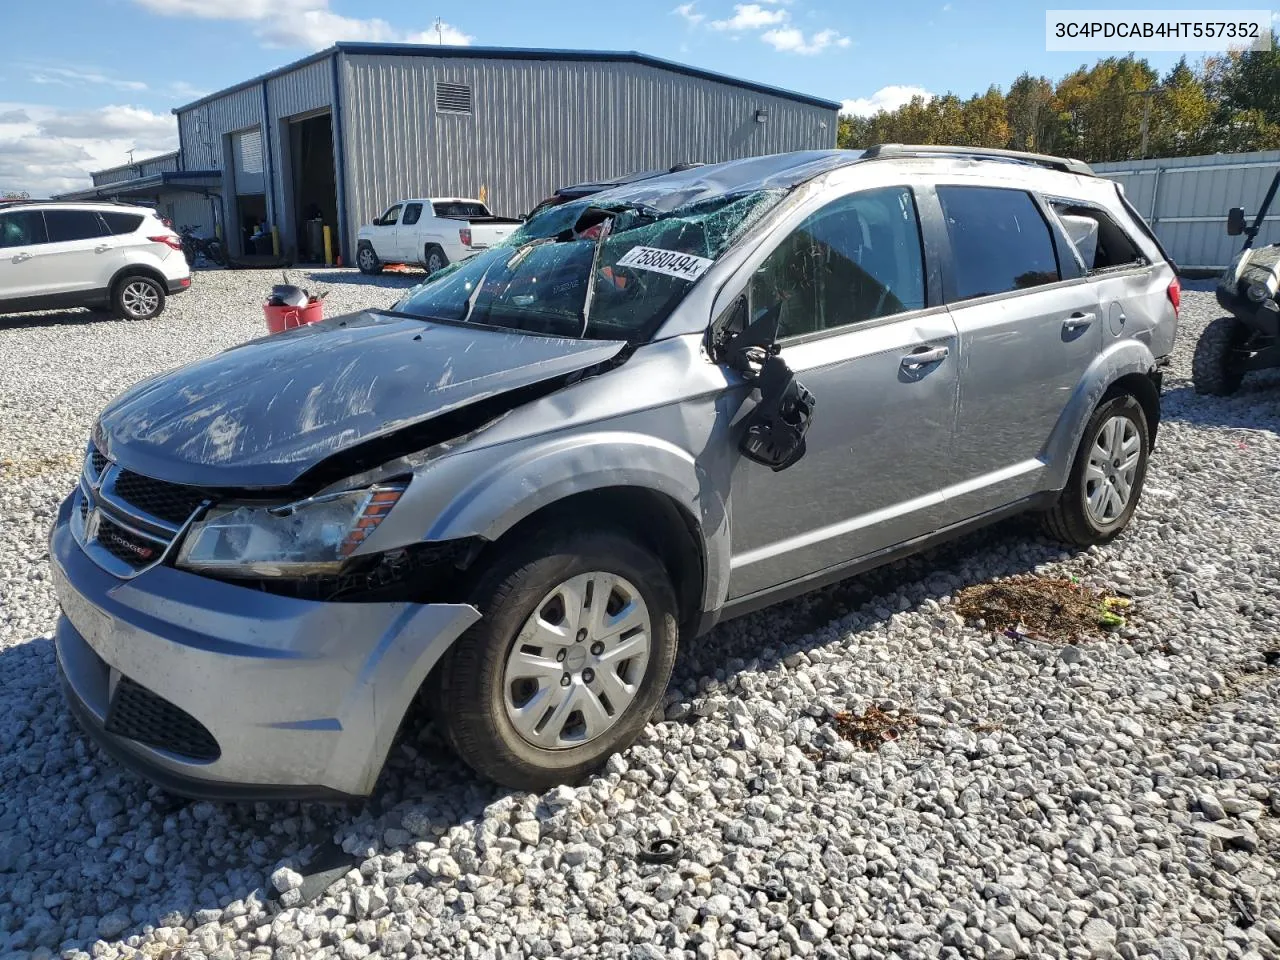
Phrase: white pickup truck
(430, 231)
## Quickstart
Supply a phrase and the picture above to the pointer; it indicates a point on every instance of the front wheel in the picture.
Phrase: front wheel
(571, 658)
(1106, 478)
(1214, 366)
(367, 260)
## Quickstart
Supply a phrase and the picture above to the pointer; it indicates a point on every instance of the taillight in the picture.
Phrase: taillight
(169, 240)
(1175, 294)
(465, 236)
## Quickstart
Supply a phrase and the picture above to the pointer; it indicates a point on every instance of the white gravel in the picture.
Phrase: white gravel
(1119, 797)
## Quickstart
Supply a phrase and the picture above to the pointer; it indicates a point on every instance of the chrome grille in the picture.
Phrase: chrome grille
(127, 523)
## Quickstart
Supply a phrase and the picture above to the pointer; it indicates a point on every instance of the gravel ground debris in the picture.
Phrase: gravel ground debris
(1119, 798)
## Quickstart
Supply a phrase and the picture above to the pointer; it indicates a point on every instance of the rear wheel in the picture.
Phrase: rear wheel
(433, 258)
(367, 260)
(1214, 369)
(137, 298)
(571, 658)
(1107, 476)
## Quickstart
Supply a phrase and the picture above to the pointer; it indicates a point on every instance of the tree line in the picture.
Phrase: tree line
(1118, 109)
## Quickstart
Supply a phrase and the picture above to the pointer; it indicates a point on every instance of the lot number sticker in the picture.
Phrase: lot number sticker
(683, 265)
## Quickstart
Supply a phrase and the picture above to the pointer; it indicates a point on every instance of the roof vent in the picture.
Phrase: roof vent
(453, 97)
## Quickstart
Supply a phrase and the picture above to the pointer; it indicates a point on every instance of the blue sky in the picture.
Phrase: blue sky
(84, 81)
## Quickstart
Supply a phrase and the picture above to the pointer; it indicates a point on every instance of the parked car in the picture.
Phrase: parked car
(430, 232)
(579, 190)
(514, 491)
(114, 255)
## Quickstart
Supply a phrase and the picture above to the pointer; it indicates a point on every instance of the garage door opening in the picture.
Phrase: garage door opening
(315, 192)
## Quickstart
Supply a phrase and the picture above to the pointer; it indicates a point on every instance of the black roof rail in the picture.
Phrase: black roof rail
(882, 151)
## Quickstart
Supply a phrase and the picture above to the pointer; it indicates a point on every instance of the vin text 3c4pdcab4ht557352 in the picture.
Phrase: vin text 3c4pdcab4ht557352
(647, 410)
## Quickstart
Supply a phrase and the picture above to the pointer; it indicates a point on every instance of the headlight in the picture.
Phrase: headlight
(307, 537)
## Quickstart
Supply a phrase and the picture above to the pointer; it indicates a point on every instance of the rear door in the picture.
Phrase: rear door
(79, 255)
(408, 234)
(859, 331)
(22, 233)
(1029, 327)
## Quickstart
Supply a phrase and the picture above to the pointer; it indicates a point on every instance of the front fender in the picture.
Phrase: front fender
(1120, 359)
(459, 497)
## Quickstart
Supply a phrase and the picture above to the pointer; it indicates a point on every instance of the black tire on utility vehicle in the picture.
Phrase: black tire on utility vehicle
(1106, 477)
(137, 297)
(571, 658)
(1213, 366)
(367, 260)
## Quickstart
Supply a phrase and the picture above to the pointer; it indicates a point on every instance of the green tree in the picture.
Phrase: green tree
(1182, 115)
(984, 120)
(1032, 111)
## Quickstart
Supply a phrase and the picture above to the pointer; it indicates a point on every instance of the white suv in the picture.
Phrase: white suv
(115, 255)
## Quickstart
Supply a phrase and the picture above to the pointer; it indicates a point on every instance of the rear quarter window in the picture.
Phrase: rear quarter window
(1000, 241)
(118, 223)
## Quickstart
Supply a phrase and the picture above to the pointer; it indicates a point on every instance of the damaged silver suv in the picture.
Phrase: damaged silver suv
(651, 409)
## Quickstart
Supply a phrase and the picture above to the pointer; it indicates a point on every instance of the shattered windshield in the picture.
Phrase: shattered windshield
(590, 268)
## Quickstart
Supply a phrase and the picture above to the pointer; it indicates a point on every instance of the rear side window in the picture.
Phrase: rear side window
(64, 225)
(22, 228)
(412, 213)
(1099, 242)
(456, 210)
(856, 259)
(119, 223)
(999, 241)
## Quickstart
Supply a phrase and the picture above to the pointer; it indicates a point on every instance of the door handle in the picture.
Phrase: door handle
(923, 357)
(1078, 321)
(20, 257)
(102, 248)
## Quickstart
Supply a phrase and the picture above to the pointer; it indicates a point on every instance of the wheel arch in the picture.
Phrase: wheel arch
(1127, 367)
(136, 270)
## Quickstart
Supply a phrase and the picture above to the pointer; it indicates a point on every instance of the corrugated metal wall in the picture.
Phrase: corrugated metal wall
(165, 163)
(538, 125)
(205, 127)
(1185, 199)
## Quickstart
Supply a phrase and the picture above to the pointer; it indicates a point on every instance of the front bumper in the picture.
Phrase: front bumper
(302, 698)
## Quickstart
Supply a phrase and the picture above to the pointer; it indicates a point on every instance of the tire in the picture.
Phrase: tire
(1071, 519)
(475, 707)
(367, 260)
(1212, 370)
(213, 252)
(137, 297)
(433, 258)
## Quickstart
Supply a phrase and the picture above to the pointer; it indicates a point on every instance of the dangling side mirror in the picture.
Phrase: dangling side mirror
(1235, 221)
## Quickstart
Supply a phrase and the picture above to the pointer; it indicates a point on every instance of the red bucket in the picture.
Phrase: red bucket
(280, 319)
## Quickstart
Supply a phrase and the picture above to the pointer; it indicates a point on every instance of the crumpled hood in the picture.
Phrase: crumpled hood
(262, 413)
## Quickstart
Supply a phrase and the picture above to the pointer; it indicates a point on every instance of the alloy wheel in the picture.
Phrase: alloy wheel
(140, 299)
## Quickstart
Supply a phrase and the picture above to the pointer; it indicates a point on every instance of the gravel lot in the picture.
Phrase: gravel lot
(1119, 796)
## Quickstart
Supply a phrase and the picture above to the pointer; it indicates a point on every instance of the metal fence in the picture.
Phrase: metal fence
(1185, 199)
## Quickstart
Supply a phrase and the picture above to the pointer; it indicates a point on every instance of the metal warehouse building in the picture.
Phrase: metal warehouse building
(337, 136)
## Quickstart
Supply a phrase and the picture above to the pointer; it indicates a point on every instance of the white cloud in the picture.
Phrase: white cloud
(750, 16)
(308, 24)
(886, 98)
(45, 150)
(793, 40)
(689, 14)
(71, 77)
(448, 35)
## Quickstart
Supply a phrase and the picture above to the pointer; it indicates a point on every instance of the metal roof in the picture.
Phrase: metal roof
(178, 180)
(515, 53)
(135, 163)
